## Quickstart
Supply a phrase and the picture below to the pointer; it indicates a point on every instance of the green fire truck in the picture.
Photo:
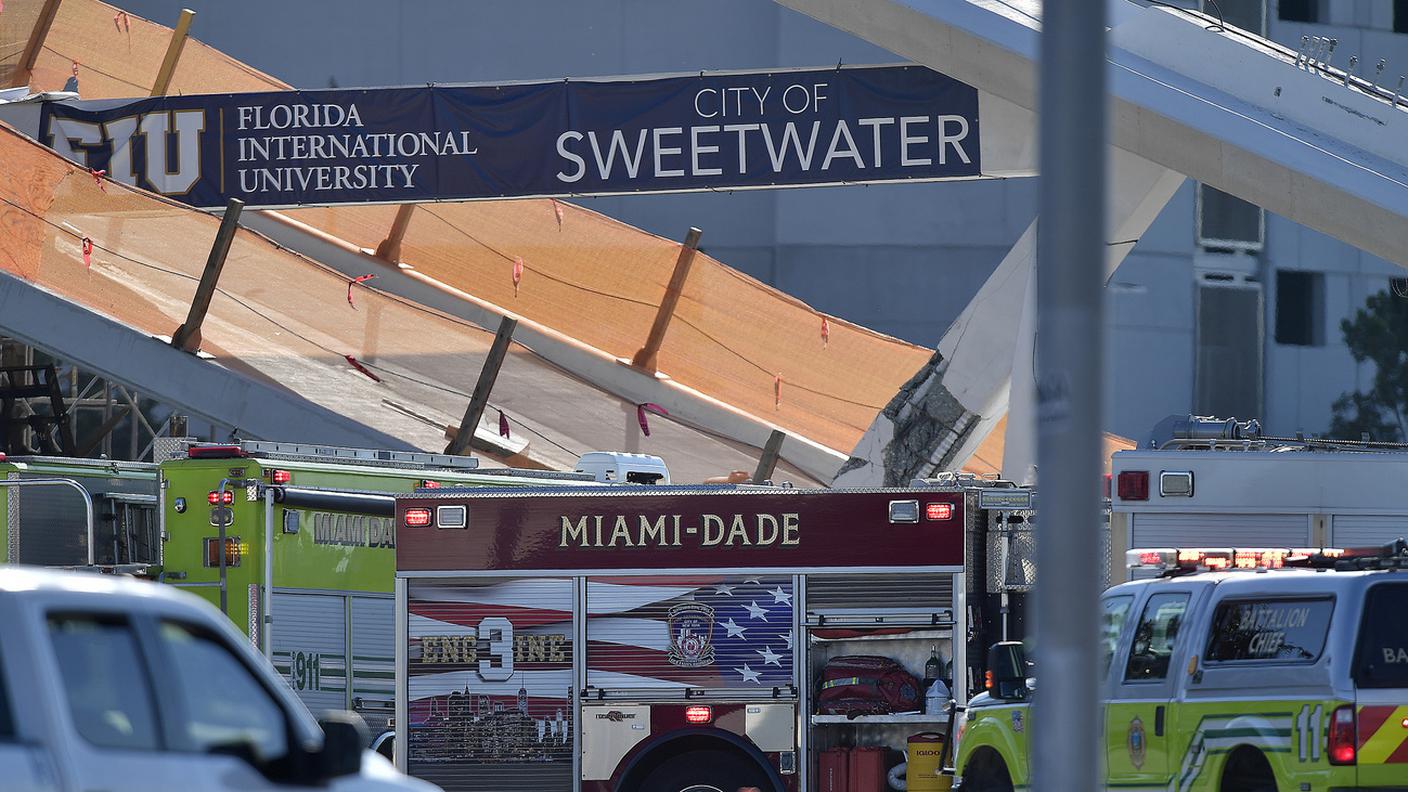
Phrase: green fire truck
(297, 545)
(46, 503)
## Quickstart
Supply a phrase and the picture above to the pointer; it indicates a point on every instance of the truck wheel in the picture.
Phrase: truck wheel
(705, 771)
(1247, 771)
(986, 772)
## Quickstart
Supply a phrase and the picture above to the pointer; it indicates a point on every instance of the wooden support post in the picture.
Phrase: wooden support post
(767, 463)
(480, 398)
(645, 357)
(37, 36)
(187, 336)
(173, 52)
(390, 248)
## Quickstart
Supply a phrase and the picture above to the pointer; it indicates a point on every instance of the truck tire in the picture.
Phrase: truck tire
(986, 772)
(705, 771)
(1247, 771)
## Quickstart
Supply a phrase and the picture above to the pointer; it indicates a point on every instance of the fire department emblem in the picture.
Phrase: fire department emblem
(1136, 743)
(691, 626)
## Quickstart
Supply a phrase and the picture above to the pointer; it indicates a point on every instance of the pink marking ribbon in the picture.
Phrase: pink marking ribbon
(357, 365)
(557, 209)
(777, 391)
(648, 407)
(353, 282)
(517, 273)
(825, 332)
(87, 246)
(503, 424)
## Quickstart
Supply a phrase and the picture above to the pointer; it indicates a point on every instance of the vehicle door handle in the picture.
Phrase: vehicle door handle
(1159, 721)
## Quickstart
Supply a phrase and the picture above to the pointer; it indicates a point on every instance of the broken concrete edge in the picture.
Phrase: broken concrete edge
(196, 385)
(686, 405)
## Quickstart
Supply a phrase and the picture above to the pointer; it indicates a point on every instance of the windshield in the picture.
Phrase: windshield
(1382, 658)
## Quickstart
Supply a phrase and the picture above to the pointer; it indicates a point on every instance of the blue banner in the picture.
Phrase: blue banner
(564, 138)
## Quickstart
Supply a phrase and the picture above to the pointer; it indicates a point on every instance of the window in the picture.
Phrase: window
(105, 681)
(1276, 631)
(1228, 378)
(1227, 223)
(1155, 637)
(225, 705)
(1299, 10)
(1300, 308)
(1382, 659)
(1113, 611)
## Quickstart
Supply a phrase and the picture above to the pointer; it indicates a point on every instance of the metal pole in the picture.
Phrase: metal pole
(390, 248)
(187, 336)
(61, 482)
(268, 631)
(1070, 272)
(173, 52)
(37, 36)
(645, 356)
(224, 573)
(479, 399)
(767, 463)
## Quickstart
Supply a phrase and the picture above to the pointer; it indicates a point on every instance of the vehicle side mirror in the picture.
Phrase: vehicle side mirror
(344, 737)
(1007, 670)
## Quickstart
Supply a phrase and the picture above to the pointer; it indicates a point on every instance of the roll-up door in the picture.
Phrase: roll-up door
(1366, 530)
(490, 684)
(1220, 530)
(310, 647)
(373, 659)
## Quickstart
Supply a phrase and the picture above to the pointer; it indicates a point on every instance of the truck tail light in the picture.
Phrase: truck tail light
(218, 498)
(280, 477)
(232, 551)
(1134, 485)
(416, 518)
(1343, 741)
(698, 714)
(429, 484)
(938, 511)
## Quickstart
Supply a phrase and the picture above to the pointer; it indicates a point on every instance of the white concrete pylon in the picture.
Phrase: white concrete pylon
(940, 417)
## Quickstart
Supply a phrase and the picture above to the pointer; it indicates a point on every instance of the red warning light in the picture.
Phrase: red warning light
(938, 511)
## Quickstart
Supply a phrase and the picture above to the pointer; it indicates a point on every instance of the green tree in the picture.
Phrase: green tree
(1378, 333)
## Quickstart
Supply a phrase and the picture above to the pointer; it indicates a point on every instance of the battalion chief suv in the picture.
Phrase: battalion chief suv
(1233, 671)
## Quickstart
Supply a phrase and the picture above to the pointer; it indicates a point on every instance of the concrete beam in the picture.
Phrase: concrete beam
(685, 405)
(154, 368)
(1225, 108)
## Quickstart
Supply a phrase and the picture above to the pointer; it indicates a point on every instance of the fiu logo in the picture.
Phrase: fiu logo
(159, 151)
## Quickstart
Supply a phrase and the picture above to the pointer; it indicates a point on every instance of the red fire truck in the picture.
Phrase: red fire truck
(672, 638)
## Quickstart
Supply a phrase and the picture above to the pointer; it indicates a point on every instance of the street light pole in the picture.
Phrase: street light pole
(1070, 258)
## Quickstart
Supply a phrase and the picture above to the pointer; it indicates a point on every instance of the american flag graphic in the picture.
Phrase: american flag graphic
(642, 632)
(664, 632)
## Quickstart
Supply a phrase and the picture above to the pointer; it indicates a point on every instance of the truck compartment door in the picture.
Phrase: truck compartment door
(490, 684)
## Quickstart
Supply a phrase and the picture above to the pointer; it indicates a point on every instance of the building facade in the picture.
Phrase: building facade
(1220, 309)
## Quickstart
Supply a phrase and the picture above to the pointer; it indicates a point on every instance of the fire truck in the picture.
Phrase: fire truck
(308, 551)
(68, 512)
(668, 638)
(1208, 482)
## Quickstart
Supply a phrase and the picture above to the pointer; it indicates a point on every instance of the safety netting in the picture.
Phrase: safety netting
(388, 363)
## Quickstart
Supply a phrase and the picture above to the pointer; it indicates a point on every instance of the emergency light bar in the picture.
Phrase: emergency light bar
(1206, 559)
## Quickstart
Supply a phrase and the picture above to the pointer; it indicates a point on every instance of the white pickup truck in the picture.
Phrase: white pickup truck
(110, 684)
